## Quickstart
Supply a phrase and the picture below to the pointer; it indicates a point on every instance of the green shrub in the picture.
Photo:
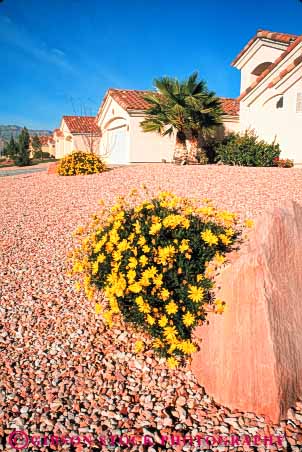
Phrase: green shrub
(155, 265)
(42, 155)
(202, 157)
(246, 150)
(80, 162)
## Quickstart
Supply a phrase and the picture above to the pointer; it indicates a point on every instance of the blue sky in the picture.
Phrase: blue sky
(59, 57)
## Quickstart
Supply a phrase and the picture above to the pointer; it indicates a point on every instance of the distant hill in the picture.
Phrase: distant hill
(7, 131)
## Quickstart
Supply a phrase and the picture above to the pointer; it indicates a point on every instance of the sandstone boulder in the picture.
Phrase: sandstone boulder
(251, 356)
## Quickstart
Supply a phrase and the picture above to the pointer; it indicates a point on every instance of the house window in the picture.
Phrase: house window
(261, 68)
(299, 103)
(280, 102)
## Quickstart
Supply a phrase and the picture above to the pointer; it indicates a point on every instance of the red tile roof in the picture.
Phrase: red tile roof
(286, 71)
(45, 139)
(82, 124)
(58, 132)
(230, 106)
(134, 100)
(130, 99)
(285, 38)
(261, 77)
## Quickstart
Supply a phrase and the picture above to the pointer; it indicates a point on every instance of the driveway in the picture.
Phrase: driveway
(16, 172)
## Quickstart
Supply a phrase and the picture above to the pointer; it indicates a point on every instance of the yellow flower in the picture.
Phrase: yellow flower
(146, 249)
(117, 224)
(131, 276)
(172, 221)
(186, 223)
(79, 230)
(187, 347)
(145, 280)
(137, 227)
(142, 305)
(188, 319)
(219, 306)
(172, 362)
(141, 241)
(219, 259)
(199, 277)
(225, 239)
(136, 288)
(158, 281)
(108, 317)
(150, 272)
(117, 256)
(143, 260)
(114, 305)
(155, 228)
(208, 237)
(77, 286)
(157, 343)
(195, 293)
(184, 246)
(131, 237)
(138, 346)
(109, 247)
(100, 244)
(98, 308)
(170, 333)
(132, 263)
(166, 254)
(77, 267)
(229, 232)
(207, 210)
(101, 258)
(113, 237)
(249, 223)
(164, 294)
(150, 320)
(163, 321)
(123, 245)
(144, 308)
(171, 307)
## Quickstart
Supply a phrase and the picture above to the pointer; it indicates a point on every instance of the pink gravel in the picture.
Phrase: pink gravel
(61, 370)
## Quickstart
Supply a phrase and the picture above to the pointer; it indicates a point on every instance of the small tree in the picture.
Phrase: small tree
(22, 156)
(185, 107)
(11, 149)
(37, 147)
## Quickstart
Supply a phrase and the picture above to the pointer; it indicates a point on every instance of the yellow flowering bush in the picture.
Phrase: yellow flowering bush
(155, 263)
(80, 162)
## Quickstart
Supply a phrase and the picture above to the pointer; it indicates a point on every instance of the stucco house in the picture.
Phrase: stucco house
(271, 90)
(123, 141)
(47, 144)
(77, 133)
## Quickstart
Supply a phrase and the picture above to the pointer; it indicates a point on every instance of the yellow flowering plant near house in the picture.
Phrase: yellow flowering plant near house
(153, 262)
(80, 162)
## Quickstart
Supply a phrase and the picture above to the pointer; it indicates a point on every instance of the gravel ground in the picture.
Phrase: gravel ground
(61, 371)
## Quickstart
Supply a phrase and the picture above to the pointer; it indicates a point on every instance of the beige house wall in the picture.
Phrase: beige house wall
(259, 112)
(262, 51)
(113, 118)
(139, 146)
(69, 142)
(149, 147)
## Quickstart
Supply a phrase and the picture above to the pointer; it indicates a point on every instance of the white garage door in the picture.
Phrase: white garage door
(117, 146)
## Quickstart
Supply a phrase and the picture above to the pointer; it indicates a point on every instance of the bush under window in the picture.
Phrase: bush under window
(246, 150)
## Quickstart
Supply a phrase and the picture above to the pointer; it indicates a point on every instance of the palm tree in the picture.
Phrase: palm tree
(187, 108)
